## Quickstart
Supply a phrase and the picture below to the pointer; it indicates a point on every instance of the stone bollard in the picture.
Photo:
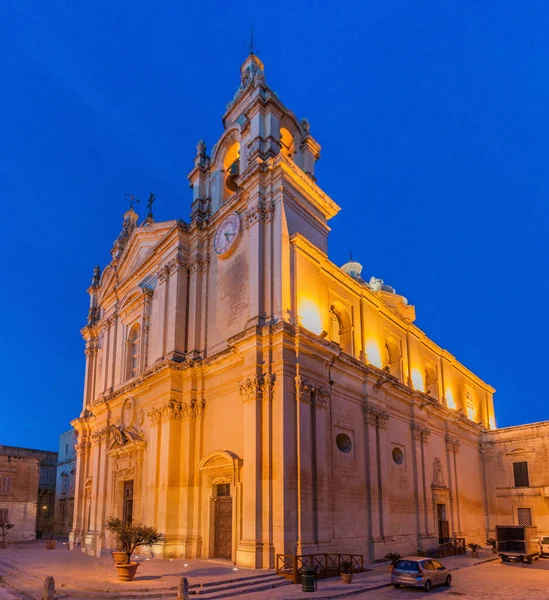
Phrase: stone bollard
(183, 589)
(49, 589)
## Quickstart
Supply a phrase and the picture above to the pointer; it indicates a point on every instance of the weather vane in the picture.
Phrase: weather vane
(252, 42)
(150, 203)
(132, 199)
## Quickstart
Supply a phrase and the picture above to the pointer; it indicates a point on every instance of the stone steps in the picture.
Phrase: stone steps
(31, 585)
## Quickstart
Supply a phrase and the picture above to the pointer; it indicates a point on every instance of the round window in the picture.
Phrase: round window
(398, 456)
(343, 442)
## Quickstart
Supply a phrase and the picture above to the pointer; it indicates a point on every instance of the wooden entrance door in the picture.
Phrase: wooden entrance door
(443, 525)
(223, 522)
(127, 510)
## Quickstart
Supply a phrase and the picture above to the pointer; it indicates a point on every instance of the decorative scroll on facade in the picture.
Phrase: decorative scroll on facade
(375, 416)
(420, 433)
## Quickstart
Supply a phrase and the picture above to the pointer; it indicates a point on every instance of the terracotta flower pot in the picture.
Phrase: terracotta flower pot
(120, 558)
(347, 577)
(474, 553)
(127, 572)
(50, 545)
(3, 545)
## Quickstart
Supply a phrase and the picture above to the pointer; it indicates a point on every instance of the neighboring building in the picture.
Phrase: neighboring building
(27, 490)
(517, 476)
(64, 484)
(248, 397)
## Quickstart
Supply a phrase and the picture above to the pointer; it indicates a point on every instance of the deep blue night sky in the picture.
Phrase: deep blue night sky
(433, 121)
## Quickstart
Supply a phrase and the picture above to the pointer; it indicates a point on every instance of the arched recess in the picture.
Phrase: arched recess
(341, 328)
(287, 143)
(431, 381)
(133, 352)
(220, 480)
(393, 357)
(227, 163)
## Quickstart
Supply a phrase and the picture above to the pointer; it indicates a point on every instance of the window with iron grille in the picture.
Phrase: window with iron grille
(520, 470)
(223, 489)
(4, 515)
(524, 517)
(5, 486)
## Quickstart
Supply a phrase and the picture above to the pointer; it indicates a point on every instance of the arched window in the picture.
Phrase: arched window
(431, 381)
(287, 146)
(393, 357)
(231, 168)
(341, 331)
(134, 350)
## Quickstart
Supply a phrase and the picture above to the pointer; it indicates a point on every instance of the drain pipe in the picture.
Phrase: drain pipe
(331, 385)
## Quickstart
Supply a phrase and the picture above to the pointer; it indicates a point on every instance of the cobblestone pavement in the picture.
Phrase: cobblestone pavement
(488, 581)
(75, 571)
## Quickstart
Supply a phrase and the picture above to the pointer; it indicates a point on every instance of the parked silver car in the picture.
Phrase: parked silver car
(418, 571)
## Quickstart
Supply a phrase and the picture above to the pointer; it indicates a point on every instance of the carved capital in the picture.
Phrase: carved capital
(261, 212)
(258, 387)
(452, 444)
(376, 416)
(99, 436)
(172, 409)
(196, 409)
(82, 445)
(303, 389)
(176, 264)
(199, 263)
(162, 274)
(420, 433)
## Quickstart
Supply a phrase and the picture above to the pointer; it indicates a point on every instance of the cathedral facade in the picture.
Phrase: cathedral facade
(248, 397)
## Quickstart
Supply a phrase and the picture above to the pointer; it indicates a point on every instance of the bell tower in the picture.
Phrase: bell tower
(262, 169)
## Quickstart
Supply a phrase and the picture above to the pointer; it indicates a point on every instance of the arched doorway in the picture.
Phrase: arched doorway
(220, 471)
(223, 520)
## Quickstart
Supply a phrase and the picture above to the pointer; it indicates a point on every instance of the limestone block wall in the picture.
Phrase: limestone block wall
(521, 444)
(19, 497)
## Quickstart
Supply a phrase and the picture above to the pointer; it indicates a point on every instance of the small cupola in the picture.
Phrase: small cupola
(352, 268)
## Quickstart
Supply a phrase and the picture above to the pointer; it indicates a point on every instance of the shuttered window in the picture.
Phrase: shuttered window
(524, 516)
(520, 470)
(5, 485)
(4, 515)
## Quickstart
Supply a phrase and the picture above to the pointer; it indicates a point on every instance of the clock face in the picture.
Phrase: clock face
(226, 235)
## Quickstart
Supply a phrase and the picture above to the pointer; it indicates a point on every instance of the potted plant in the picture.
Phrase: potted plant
(129, 536)
(5, 527)
(346, 571)
(393, 557)
(474, 549)
(493, 542)
(50, 543)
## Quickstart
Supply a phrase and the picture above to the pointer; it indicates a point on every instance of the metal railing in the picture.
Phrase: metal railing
(451, 548)
(325, 565)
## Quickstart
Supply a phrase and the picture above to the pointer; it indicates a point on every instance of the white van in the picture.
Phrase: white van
(544, 545)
